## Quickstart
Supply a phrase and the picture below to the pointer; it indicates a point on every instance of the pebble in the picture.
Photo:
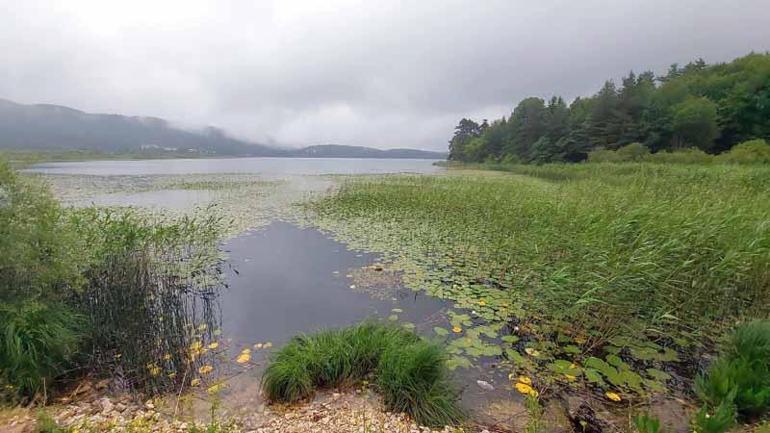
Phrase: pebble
(485, 385)
(338, 412)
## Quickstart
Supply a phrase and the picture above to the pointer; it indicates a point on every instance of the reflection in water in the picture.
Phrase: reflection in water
(286, 280)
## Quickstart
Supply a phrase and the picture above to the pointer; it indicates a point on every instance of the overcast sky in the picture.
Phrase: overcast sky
(371, 72)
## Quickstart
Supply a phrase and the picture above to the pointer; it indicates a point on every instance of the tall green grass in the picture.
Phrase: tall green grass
(408, 371)
(607, 248)
(101, 291)
(37, 342)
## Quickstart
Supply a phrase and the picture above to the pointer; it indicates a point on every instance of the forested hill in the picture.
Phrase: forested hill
(45, 128)
(710, 107)
(54, 127)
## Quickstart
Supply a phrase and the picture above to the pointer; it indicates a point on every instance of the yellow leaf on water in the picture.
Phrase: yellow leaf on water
(196, 346)
(213, 389)
(258, 346)
(525, 379)
(195, 382)
(614, 396)
(213, 345)
(457, 329)
(267, 345)
(206, 369)
(243, 358)
(531, 352)
(526, 389)
(246, 350)
(202, 327)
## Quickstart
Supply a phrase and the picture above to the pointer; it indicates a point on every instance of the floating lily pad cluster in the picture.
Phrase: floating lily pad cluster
(604, 279)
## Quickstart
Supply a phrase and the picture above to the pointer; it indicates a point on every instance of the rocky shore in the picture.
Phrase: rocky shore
(96, 411)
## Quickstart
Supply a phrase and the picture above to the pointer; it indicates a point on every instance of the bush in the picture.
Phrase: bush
(749, 152)
(410, 372)
(40, 252)
(691, 155)
(37, 341)
(740, 377)
(633, 152)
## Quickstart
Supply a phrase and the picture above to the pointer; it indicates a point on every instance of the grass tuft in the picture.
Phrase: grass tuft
(738, 382)
(37, 341)
(409, 372)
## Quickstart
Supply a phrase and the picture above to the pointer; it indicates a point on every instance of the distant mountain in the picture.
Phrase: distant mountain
(45, 127)
(53, 127)
(341, 151)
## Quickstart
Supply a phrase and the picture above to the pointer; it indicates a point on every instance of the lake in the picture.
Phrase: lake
(283, 278)
(260, 166)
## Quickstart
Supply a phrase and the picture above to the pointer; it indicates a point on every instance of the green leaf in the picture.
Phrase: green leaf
(441, 331)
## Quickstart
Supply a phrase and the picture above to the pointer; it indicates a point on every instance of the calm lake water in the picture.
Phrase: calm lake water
(262, 166)
(286, 280)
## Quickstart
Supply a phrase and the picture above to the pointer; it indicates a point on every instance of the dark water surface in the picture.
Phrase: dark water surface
(287, 280)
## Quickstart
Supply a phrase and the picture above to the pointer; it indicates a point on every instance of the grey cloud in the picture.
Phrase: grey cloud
(384, 74)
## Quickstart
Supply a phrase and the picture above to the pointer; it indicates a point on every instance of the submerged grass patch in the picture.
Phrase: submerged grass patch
(605, 273)
(408, 371)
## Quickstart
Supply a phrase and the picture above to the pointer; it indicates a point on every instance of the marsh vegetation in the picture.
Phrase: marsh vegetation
(614, 281)
(611, 278)
(80, 287)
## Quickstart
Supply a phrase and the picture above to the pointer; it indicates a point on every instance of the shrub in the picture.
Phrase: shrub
(40, 252)
(410, 372)
(749, 152)
(633, 152)
(740, 377)
(37, 341)
(691, 155)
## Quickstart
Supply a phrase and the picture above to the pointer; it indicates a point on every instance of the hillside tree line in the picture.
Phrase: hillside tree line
(708, 107)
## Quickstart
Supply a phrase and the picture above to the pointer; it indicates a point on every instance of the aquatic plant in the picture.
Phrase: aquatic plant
(409, 372)
(151, 281)
(105, 291)
(604, 273)
(740, 377)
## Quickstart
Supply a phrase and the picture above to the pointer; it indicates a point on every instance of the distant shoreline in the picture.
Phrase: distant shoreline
(22, 159)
